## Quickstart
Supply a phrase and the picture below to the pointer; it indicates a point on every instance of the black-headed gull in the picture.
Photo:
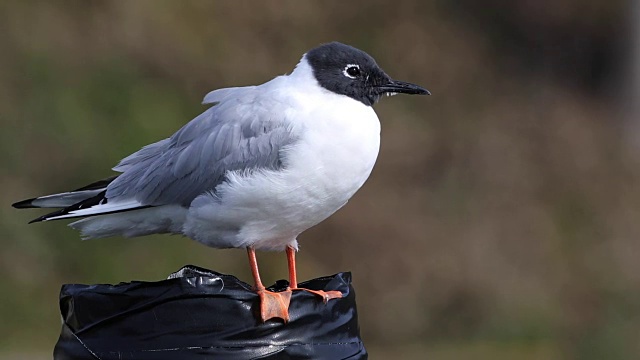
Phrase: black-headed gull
(256, 169)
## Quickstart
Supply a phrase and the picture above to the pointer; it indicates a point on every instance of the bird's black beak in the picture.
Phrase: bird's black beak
(401, 87)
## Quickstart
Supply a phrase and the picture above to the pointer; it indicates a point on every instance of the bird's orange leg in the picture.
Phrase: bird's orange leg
(272, 304)
(293, 279)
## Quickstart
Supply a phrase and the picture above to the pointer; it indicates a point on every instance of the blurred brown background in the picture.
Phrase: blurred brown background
(501, 220)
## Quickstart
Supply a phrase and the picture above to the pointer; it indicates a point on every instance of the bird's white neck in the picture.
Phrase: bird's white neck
(303, 73)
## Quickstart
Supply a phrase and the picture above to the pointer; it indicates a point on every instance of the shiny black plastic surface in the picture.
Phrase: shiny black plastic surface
(201, 314)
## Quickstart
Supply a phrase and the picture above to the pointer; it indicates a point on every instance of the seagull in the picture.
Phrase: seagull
(260, 166)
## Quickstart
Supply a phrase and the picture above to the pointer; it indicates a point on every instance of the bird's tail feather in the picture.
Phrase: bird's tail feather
(145, 221)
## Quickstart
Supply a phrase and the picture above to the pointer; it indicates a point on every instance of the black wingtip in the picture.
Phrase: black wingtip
(41, 218)
(49, 215)
(24, 204)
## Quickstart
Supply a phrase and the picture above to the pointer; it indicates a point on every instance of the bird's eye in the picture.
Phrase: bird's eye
(351, 71)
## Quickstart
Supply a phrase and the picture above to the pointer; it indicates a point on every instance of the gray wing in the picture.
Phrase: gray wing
(239, 133)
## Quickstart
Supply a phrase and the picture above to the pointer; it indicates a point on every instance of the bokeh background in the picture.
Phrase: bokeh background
(501, 220)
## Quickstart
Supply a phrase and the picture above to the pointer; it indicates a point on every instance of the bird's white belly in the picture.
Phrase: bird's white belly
(268, 209)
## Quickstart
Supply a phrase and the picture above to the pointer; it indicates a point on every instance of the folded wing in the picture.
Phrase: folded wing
(242, 131)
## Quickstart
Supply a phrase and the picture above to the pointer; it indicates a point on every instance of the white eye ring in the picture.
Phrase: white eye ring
(345, 73)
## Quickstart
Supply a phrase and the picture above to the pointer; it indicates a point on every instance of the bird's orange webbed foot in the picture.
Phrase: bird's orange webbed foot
(274, 304)
(325, 295)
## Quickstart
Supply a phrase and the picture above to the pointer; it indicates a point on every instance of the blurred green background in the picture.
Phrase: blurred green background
(501, 220)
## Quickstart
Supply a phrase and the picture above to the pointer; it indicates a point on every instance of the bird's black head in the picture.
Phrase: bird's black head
(348, 71)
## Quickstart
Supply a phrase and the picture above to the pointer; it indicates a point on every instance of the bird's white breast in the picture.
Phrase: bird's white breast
(337, 150)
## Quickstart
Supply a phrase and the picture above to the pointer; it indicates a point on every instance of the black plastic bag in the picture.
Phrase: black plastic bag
(201, 314)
